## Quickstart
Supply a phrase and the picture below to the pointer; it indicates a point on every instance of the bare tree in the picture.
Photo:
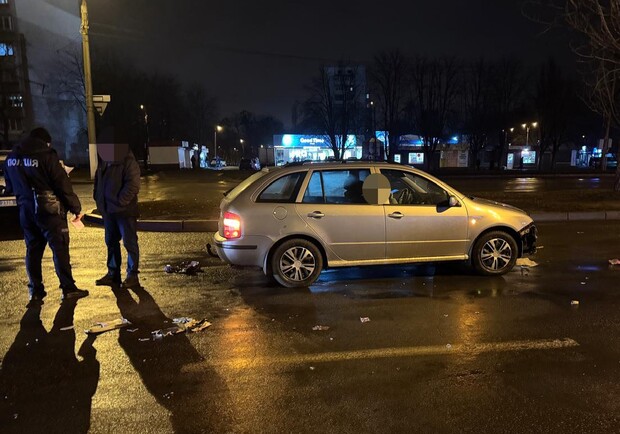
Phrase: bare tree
(477, 106)
(248, 131)
(597, 26)
(71, 76)
(201, 113)
(433, 91)
(510, 86)
(554, 103)
(388, 75)
(333, 107)
(603, 84)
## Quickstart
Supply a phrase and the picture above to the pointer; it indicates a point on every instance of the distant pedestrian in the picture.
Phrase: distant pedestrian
(117, 183)
(44, 195)
(193, 160)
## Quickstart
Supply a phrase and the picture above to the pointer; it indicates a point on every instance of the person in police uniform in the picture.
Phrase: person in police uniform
(34, 174)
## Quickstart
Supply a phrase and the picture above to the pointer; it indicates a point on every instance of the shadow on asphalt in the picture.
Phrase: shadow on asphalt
(163, 367)
(45, 388)
(383, 282)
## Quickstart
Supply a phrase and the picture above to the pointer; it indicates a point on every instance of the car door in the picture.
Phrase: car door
(419, 223)
(334, 208)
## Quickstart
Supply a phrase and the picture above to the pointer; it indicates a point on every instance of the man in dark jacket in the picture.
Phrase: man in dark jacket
(33, 173)
(117, 183)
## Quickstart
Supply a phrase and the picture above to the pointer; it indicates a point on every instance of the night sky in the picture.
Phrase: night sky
(259, 55)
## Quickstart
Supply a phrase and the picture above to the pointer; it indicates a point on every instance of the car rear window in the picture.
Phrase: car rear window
(232, 194)
(283, 189)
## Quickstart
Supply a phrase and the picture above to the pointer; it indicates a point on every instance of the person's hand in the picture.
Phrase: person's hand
(77, 221)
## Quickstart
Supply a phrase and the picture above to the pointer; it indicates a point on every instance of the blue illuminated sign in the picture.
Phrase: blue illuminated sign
(300, 141)
(412, 139)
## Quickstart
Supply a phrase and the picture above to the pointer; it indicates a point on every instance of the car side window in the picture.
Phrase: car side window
(411, 189)
(336, 187)
(314, 191)
(284, 189)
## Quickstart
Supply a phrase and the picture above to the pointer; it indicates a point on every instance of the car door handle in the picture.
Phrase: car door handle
(396, 215)
(316, 214)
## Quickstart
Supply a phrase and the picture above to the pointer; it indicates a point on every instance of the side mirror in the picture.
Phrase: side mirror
(453, 202)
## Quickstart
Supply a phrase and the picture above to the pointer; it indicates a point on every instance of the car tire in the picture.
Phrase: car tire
(494, 253)
(296, 263)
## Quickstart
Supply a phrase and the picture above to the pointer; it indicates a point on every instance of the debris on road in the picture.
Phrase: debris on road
(320, 328)
(448, 346)
(181, 325)
(64, 329)
(364, 319)
(102, 327)
(614, 261)
(526, 262)
(185, 267)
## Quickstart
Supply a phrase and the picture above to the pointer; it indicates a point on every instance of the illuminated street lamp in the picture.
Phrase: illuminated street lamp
(527, 127)
(88, 91)
(217, 128)
(506, 134)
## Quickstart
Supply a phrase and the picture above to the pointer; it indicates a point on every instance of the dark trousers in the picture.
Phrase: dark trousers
(39, 231)
(117, 228)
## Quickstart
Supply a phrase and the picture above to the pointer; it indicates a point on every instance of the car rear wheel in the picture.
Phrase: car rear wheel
(494, 253)
(296, 263)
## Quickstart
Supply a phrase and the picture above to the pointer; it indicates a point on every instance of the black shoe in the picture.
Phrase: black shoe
(131, 282)
(35, 301)
(108, 280)
(74, 294)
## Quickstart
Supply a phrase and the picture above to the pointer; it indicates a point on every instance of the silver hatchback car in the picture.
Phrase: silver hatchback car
(294, 221)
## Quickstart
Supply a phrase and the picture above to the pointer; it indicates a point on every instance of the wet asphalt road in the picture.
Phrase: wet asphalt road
(444, 350)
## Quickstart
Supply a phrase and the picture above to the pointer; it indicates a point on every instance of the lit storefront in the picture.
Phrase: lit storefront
(289, 148)
(411, 150)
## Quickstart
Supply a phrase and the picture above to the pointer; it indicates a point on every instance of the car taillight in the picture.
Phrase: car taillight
(232, 225)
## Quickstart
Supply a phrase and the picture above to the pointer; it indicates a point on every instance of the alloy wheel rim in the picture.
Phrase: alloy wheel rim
(297, 264)
(496, 254)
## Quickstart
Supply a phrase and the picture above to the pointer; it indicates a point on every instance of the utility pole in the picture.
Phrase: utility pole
(88, 85)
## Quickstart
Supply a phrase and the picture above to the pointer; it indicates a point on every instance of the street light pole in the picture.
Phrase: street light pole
(217, 128)
(88, 91)
(146, 139)
(527, 131)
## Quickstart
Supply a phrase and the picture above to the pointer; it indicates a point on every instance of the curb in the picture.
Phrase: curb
(164, 225)
(575, 216)
(211, 225)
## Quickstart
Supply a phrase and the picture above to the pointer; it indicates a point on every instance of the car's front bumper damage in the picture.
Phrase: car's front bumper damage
(529, 235)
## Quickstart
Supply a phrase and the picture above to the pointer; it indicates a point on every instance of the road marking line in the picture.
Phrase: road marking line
(378, 353)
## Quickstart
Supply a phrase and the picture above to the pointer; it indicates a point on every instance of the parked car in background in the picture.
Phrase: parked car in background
(612, 161)
(218, 163)
(249, 164)
(296, 220)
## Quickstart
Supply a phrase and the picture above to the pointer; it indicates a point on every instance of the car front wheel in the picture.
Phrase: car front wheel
(494, 253)
(296, 263)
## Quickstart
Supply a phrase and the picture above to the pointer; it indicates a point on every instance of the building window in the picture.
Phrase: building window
(16, 101)
(6, 49)
(6, 23)
(16, 125)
